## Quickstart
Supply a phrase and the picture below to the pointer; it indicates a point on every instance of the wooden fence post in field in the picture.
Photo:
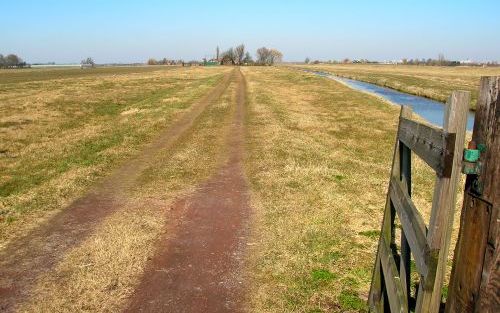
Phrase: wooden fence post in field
(442, 151)
(475, 279)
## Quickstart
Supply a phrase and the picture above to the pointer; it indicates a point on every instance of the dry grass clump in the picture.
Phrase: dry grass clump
(319, 161)
(101, 274)
(434, 82)
(57, 136)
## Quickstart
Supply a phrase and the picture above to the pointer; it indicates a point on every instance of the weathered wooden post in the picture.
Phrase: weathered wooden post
(475, 279)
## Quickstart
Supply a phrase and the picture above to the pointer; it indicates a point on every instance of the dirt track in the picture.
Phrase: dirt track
(197, 267)
(25, 259)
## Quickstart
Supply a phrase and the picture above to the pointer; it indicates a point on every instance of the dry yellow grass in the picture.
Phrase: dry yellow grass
(58, 136)
(101, 273)
(319, 161)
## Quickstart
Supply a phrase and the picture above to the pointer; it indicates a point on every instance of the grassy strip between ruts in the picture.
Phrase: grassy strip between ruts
(434, 82)
(99, 275)
(58, 136)
(319, 157)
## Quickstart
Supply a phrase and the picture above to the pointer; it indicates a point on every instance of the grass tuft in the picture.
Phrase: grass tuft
(322, 275)
(349, 300)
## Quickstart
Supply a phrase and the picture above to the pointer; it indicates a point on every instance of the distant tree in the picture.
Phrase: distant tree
(232, 55)
(228, 57)
(441, 59)
(267, 56)
(239, 54)
(217, 51)
(307, 60)
(275, 57)
(88, 61)
(152, 61)
(12, 60)
(263, 55)
(346, 60)
(226, 60)
(248, 58)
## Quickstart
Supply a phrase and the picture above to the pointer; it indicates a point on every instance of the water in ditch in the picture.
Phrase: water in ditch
(431, 110)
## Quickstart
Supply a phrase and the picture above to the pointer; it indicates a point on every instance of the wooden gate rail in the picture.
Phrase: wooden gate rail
(442, 150)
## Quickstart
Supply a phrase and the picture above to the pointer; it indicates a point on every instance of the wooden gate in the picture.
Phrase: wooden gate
(442, 150)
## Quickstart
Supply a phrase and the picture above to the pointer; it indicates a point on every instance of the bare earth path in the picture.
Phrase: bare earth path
(25, 259)
(198, 266)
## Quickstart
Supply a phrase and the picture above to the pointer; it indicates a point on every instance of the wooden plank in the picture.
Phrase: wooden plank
(475, 280)
(375, 297)
(432, 145)
(414, 228)
(375, 309)
(405, 177)
(444, 200)
(397, 299)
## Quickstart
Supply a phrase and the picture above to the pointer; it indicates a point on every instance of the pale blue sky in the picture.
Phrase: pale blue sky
(132, 31)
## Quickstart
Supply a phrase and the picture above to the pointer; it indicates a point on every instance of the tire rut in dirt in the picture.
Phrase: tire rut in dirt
(25, 259)
(198, 265)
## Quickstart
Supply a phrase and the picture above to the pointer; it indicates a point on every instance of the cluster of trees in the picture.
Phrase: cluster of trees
(165, 61)
(343, 61)
(267, 56)
(440, 61)
(88, 62)
(308, 61)
(11, 61)
(239, 56)
(235, 56)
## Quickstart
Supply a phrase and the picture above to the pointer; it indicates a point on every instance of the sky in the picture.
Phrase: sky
(113, 31)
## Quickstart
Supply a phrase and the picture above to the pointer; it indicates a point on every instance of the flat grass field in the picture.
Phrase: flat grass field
(317, 160)
(434, 82)
(60, 131)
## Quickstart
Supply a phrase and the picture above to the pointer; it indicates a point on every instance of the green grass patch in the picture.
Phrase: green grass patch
(373, 234)
(322, 275)
(349, 300)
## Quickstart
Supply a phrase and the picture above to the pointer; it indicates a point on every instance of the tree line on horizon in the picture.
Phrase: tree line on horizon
(440, 61)
(233, 56)
(239, 56)
(11, 61)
